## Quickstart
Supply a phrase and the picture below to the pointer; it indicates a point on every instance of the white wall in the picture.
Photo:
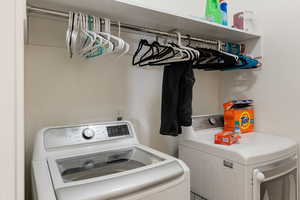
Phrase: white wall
(60, 90)
(274, 88)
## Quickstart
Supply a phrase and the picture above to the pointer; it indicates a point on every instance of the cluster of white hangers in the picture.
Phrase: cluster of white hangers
(86, 36)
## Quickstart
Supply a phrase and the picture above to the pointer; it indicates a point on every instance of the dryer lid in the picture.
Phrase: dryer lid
(253, 148)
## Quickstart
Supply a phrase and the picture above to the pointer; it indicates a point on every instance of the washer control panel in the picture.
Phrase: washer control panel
(66, 136)
(117, 131)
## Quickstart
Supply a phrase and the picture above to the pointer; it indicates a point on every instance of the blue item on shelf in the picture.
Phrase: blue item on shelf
(224, 11)
(233, 48)
(245, 62)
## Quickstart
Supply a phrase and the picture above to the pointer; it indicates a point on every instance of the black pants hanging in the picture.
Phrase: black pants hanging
(177, 95)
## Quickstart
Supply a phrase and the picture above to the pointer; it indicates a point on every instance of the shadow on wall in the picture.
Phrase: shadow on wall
(237, 85)
(144, 107)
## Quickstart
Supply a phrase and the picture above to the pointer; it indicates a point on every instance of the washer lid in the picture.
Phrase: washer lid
(111, 174)
(253, 148)
(104, 163)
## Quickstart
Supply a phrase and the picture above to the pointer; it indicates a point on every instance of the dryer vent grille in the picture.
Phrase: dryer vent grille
(195, 196)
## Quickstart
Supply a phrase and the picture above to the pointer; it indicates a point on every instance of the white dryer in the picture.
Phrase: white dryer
(103, 161)
(261, 167)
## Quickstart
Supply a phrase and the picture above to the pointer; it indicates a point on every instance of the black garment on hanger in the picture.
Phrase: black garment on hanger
(177, 94)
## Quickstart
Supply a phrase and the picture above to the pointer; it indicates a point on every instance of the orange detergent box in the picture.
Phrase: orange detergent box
(227, 138)
(239, 116)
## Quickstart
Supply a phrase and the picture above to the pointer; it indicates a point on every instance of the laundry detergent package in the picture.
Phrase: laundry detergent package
(213, 12)
(239, 116)
(227, 138)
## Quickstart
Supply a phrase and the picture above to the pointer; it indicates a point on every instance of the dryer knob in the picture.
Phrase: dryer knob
(88, 133)
(212, 121)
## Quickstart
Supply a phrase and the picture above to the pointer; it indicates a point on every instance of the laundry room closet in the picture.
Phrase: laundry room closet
(60, 90)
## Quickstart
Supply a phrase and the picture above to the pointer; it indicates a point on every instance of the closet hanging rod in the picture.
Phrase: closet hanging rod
(45, 11)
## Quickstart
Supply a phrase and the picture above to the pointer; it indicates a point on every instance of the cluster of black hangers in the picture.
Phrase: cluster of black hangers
(209, 59)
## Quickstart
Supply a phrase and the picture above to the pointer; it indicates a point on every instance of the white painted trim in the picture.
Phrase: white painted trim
(12, 100)
(19, 102)
(8, 104)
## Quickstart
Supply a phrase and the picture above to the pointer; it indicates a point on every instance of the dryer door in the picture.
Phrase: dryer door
(277, 181)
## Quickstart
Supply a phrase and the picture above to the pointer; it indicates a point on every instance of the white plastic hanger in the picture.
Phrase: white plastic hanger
(106, 46)
(98, 45)
(88, 37)
(116, 40)
(69, 33)
(75, 32)
(229, 54)
(184, 47)
(126, 44)
(195, 53)
(183, 54)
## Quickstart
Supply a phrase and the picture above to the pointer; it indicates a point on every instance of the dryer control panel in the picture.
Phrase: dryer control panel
(73, 135)
(208, 121)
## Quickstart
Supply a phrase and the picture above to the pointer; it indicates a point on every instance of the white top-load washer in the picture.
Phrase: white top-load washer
(103, 161)
(260, 167)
